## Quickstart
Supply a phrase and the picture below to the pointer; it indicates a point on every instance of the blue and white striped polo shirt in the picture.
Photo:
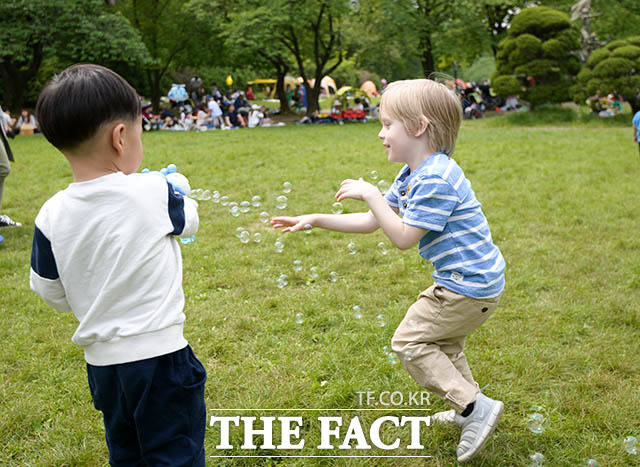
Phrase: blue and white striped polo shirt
(438, 197)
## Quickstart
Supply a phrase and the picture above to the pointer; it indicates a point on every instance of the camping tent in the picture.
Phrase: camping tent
(370, 88)
(328, 86)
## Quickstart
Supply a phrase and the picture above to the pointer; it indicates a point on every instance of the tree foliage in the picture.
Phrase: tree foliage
(538, 52)
(32, 31)
(614, 68)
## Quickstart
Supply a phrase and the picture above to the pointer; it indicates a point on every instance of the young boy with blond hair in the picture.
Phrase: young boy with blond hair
(439, 211)
(104, 249)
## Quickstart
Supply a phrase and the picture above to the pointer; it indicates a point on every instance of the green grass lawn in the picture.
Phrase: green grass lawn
(562, 204)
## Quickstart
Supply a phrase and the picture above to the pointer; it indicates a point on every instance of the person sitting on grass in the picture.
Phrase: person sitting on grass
(439, 212)
(104, 249)
(233, 119)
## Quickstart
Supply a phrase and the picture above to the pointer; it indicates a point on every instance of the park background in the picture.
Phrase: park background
(558, 185)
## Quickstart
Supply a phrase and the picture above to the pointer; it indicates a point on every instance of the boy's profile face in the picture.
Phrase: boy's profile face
(395, 139)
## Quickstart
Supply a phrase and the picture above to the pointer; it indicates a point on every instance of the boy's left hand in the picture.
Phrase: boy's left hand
(356, 189)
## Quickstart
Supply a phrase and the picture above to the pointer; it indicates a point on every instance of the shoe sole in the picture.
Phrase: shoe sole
(494, 418)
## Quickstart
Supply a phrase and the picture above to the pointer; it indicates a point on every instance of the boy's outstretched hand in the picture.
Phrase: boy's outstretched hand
(356, 189)
(293, 224)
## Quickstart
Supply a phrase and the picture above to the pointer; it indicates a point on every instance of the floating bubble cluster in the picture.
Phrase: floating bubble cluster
(282, 281)
(353, 249)
(630, 445)
(281, 202)
(383, 248)
(536, 422)
(536, 459)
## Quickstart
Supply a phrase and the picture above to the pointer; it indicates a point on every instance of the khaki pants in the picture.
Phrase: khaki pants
(430, 340)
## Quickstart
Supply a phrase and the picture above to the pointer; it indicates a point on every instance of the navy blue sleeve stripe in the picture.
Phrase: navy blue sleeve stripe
(42, 260)
(176, 211)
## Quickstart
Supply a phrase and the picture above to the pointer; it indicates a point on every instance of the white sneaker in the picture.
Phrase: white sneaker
(478, 426)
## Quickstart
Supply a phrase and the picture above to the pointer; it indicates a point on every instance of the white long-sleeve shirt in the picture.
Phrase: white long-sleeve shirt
(104, 250)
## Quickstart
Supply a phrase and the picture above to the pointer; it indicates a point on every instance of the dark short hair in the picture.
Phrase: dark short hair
(78, 101)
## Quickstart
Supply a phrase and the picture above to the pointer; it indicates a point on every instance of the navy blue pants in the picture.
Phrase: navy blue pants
(154, 411)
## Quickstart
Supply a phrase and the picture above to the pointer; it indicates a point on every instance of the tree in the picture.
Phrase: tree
(165, 27)
(250, 39)
(70, 30)
(538, 52)
(313, 35)
(612, 68)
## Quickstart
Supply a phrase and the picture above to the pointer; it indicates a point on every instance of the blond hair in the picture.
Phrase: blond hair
(410, 100)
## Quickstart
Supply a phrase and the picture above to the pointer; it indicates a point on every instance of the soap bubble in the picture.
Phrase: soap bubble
(383, 186)
(630, 445)
(307, 228)
(536, 421)
(374, 175)
(381, 321)
(239, 230)
(257, 237)
(196, 193)
(279, 245)
(187, 240)
(282, 281)
(591, 463)
(264, 217)
(353, 249)
(386, 350)
(234, 211)
(333, 276)
(536, 459)
(281, 202)
(224, 200)
(255, 201)
(299, 318)
(215, 196)
(244, 206)
(286, 187)
(382, 248)
(409, 355)
(337, 207)
(357, 312)
(313, 272)
(206, 195)
(392, 359)
(297, 265)
(245, 236)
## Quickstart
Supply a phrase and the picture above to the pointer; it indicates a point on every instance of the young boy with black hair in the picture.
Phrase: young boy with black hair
(103, 249)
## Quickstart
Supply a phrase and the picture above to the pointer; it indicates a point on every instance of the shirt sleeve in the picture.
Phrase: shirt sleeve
(430, 204)
(44, 279)
(183, 212)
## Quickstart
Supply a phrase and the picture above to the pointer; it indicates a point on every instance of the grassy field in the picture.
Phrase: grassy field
(562, 203)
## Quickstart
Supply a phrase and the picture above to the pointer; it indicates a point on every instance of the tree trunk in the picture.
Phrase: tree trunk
(15, 78)
(428, 64)
(14, 85)
(281, 93)
(153, 77)
(313, 96)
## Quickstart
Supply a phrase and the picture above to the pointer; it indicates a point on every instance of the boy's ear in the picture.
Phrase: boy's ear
(424, 124)
(117, 138)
